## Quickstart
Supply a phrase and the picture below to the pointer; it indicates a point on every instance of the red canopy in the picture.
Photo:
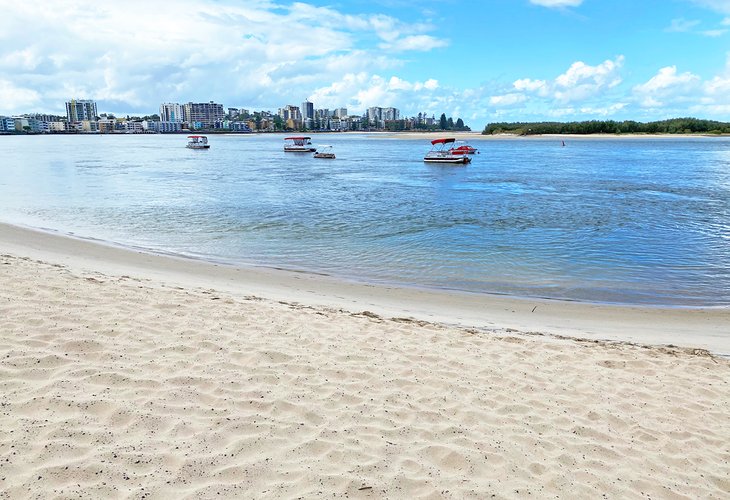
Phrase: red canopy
(296, 138)
(442, 141)
(195, 136)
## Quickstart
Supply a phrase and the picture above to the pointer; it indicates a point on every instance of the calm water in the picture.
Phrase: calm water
(630, 221)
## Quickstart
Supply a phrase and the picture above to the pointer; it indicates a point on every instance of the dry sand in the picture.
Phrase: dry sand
(130, 375)
(477, 136)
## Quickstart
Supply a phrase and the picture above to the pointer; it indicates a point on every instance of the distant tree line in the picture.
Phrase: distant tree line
(672, 126)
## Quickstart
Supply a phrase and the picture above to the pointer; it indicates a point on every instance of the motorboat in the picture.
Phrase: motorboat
(464, 149)
(298, 145)
(197, 142)
(326, 152)
(441, 152)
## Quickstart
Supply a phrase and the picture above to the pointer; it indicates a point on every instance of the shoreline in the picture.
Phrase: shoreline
(687, 327)
(459, 135)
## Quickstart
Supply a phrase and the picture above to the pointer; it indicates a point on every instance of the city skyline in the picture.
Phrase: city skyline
(527, 60)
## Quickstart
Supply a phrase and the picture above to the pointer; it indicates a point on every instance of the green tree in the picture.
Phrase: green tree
(442, 121)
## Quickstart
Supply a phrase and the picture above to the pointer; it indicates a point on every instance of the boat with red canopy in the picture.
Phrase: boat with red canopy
(299, 145)
(197, 142)
(442, 152)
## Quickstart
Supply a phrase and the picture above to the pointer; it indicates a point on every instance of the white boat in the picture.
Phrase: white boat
(442, 152)
(299, 145)
(326, 153)
(198, 142)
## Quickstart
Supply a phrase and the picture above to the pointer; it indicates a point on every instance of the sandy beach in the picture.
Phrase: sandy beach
(477, 135)
(126, 374)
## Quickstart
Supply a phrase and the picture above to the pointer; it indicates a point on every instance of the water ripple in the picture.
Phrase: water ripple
(633, 221)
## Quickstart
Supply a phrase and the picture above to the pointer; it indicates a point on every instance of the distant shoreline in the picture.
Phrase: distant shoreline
(460, 135)
(405, 135)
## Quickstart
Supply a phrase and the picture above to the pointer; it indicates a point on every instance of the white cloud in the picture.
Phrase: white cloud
(358, 91)
(682, 25)
(26, 59)
(133, 55)
(665, 79)
(666, 86)
(557, 3)
(719, 86)
(415, 42)
(431, 84)
(579, 73)
(529, 85)
(582, 81)
(16, 99)
(506, 100)
(603, 111)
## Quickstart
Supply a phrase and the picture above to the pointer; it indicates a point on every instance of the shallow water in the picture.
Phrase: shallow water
(644, 221)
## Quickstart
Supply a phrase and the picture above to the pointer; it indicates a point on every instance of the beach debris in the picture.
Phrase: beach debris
(368, 314)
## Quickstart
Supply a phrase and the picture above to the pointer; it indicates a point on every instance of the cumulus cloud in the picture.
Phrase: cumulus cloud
(667, 83)
(529, 85)
(581, 90)
(133, 55)
(361, 90)
(597, 77)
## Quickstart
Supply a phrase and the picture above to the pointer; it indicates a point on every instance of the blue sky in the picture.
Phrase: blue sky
(483, 61)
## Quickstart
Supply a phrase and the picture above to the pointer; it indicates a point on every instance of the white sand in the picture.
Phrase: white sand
(130, 375)
(477, 135)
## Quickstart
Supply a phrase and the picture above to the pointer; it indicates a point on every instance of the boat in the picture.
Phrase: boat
(299, 145)
(464, 149)
(441, 152)
(198, 142)
(326, 153)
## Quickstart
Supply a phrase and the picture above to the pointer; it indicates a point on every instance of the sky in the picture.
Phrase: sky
(482, 60)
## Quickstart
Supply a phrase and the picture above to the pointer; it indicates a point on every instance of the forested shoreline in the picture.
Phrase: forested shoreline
(672, 126)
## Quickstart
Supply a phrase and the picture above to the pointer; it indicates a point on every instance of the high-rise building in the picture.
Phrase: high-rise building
(203, 115)
(375, 115)
(171, 112)
(307, 110)
(80, 110)
(341, 112)
(290, 112)
(391, 114)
